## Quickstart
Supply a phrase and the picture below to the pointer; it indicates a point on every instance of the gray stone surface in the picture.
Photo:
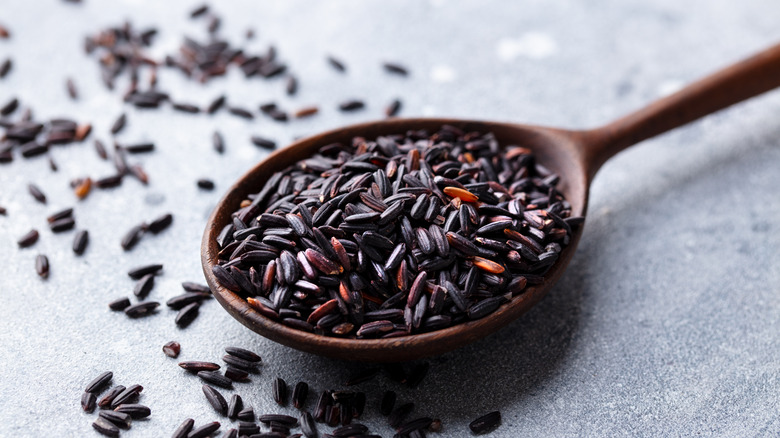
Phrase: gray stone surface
(666, 324)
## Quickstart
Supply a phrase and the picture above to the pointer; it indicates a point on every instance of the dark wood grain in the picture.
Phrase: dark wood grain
(733, 84)
(575, 155)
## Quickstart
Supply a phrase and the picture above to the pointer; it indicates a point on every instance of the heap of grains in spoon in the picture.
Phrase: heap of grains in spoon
(396, 235)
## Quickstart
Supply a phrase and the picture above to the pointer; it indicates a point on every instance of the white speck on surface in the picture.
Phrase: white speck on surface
(534, 45)
(669, 86)
(442, 74)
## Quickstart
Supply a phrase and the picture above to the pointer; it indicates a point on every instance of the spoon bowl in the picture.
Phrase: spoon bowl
(575, 156)
(553, 148)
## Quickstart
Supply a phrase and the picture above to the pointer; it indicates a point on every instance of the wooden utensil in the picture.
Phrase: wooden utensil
(574, 155)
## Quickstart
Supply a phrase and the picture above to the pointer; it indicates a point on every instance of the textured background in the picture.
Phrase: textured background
(667, 322)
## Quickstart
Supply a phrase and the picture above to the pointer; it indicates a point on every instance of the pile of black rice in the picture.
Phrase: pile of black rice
(397, 235)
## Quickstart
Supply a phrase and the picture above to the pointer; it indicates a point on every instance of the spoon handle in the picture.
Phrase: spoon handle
(735, 83)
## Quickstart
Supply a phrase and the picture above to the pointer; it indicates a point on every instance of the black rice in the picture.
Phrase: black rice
(205, 184)
(486, 422)
(187, 314)
(119, 419)
(172, 349)
(184, 429)
(215, 399)
(139, 173)
(241, 112)
(393, 108)
(413, 425)
(392, 67)
(28, 239)
(242, 364)
(350, 430)
(243, 354)
(119, 124)
(218, 142)
(138, 272)
(141, 309)
(5, 67)
(337, 64)
(71, 87)
(110, 181)
(186, 107)
(139, 148)
(160, 224)
(351, 105)
(246, 414)
(308, 426)
(307, 111)
(190, 286)
(131, 238)
(143, 286)
(279, 387)
(291, 86)
(215, 378)
(42, 266)
(130, 393)
(106, 400)
(100, 149)
(196, 366)
(234, 407)
(300, 393)
(36, 193)
(278, 418)
(33, 149)
(135, 410)
(205, 430)
(88, 401)
(235, 374)
(63, 224)
(99, 382)
(432, 228)
(9, 107)
(200, 10)
(216, 104)
(263, 142)
(180, 301)
(119, 304)
(105, 427)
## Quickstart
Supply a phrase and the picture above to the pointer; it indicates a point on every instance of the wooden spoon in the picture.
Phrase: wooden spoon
(575, 155)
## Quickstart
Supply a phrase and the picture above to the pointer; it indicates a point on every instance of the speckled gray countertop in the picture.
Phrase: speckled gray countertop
(667, 322)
